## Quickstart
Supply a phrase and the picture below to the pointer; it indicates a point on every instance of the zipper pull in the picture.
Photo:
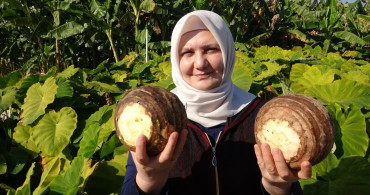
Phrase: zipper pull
(214, 160)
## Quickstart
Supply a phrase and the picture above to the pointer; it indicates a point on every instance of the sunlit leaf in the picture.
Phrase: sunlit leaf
(349, 37)
(313, 76)
(351, 136)
(66, 30)
(102, 87)
(345, 176)
(22, 135)
(68, 182)
(64, 88)
(37, 99)
(67, 73)
(51, 169)
(343, 92)
(53, 131)
(89, 140)
(7, 97)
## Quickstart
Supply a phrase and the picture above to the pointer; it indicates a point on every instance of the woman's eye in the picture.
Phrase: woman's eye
(186, 53)
(212, 50)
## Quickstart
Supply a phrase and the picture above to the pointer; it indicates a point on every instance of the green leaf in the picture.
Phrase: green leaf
(272, 70)
(350, 37)
(351, 136)
(16, 160)
(110, 145)
(67, 73)
(313, 76)
(11, 79)
(3, 166)
(25, 189)
(89, 140)
(345, 176)
(111, 172)
(102, 87)
(68, 182)
(147, 5)
(22, 135)
(64, 88)
(343, 92)
(37, 99)
(7, 97)
(241, 78)
(51, 169)
(26, 83)
(66, 30)
(357, 76)
(53, 131)
(139, 68)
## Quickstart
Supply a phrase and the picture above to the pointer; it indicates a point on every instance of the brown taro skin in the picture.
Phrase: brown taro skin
(165, 109)
(308, 118)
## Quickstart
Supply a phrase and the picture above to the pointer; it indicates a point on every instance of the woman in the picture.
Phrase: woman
(217, 153)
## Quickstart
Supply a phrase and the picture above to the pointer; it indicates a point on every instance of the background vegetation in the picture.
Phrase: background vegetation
(65, 64)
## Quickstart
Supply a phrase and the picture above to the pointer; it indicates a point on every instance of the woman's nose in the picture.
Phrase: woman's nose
(200, 61)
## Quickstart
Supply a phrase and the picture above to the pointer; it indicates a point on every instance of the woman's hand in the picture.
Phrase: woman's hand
(277, 177)
(152, 172)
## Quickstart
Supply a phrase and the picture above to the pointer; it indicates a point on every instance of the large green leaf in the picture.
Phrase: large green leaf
(89, 140)
(64, 88)
(357, 76)
(351, 136)
(273, 69)
(343, 92)
(53, 131)
(345, 176)
(25, 189)
(7, 96)
(67, 73)
(10, 79)
(37, 99)
(313, 76)
(298, 70)
(26, 83)
(66, 30)
(350, 37)
(51, 169)
(68, 182)
(241, 78)
(22, 135)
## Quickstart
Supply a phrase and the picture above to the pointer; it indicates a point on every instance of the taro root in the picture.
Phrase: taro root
(151, 111)
(300, 126)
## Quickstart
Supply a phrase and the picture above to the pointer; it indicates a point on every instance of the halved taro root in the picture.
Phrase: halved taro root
(151, 111)
(299, 125)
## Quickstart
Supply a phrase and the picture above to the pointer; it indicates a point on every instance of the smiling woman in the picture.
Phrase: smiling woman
(201, 62)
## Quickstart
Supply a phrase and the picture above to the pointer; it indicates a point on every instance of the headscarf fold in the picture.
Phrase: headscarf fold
(212, 107)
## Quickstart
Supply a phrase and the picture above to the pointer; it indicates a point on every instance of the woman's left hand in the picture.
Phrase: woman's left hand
(277, 177)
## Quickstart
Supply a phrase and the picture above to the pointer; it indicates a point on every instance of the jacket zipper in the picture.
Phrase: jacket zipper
(214, 160)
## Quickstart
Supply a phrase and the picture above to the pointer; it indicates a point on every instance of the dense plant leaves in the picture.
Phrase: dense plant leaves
(37, 99)
(343, 92)
(351, 136)
(11, 79)
(272, 69)
(16, 160)
(313, 76)
(53, 131)
(51, 169)
(110, 145)
(68, 182)
(345, 176)
(357, 76)
(139, 68)
(3, 166)
(102, 87)
(22, 135)
(349, 37)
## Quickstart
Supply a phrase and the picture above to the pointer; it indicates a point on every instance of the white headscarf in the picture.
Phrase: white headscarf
(212, 107)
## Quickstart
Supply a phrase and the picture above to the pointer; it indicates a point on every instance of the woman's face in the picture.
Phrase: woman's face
(201, 62)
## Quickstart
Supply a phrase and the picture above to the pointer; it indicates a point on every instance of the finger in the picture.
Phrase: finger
(180, 144)
(280, 164)
(140, 152)
(258, 152)
(268, 159)
(306, 170)
(167, 153)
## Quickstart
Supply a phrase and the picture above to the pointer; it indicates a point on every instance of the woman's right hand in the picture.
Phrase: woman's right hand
(152, 172)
